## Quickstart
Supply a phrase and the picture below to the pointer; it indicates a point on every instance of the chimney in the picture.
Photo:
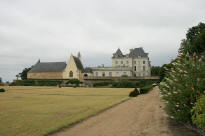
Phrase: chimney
(131, 50)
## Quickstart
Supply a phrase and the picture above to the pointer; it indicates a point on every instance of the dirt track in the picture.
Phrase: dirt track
(140, 116)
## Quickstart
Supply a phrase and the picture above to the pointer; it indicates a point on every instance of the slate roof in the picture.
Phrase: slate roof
(118, 53)
(78, 63)
(48, 67)
(88, 70)
(138, 52)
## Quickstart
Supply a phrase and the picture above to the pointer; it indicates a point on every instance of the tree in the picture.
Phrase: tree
(195, 40)
(199, 43)
(0, 80)
(193, 32)
(156, 70)
(17, 76)
(23, 74)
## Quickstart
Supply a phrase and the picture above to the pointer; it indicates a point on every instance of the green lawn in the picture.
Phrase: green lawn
(36, 111)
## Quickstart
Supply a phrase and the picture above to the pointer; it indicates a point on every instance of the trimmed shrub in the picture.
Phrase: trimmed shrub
(198, 116)
(36, 83)
(75, 82)
(134, 93)
(100, 84)
(146, 89)
(2, 90)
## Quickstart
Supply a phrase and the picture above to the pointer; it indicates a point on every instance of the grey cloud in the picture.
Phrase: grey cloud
(51, 30)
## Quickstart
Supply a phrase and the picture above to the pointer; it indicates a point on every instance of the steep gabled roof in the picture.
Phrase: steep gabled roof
(78, 63)
(48, 67)
(136, 52)
(118, 53)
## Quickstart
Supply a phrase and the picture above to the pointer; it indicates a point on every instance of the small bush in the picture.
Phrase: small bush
(146, 89)
(198, 116)
(2, 90)
(134, 93)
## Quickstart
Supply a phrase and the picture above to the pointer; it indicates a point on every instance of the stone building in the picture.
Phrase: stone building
(134, 64)
(57, 70)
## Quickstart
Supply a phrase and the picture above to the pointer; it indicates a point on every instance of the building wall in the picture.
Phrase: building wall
(122, 62)
(71, 66)
(139, 68)
(99, 73)
(45, 75)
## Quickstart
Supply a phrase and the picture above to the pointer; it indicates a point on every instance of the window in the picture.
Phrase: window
(103, 74)
(143, 62)
(116, 62)
(125, 73)
(127, 62)
(110, 73)
(121, 62)
(135, 68)
(134, 62)
(85, 75)
(71, 74)
(96, 73)
(139, 62)
(143, 68)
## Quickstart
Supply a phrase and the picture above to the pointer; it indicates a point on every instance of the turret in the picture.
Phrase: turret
(79, 56)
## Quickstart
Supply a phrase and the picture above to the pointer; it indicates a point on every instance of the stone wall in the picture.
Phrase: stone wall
(71, 66)
(45, 75)
(111, 73)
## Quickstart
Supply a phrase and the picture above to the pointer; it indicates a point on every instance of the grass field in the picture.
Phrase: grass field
(36, 111)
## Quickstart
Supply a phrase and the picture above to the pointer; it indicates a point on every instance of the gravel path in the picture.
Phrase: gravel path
(140, 116)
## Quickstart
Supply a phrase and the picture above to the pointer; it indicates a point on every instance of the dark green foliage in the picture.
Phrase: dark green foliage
(142, 90)
(75, 82)
(164, 69)
(0, 80)
(2, 90)
(193, 32)
(36, 83)
(146, 89)
(124, 84)
(195, 40)
(183, 85)
(134, 93)
(156, 70)
(199, 43)
(133, 84)
(23, 74)
(198, 111)
(101, 84)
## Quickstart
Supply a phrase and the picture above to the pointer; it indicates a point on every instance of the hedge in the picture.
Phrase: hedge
(198, 111)
(36, 83)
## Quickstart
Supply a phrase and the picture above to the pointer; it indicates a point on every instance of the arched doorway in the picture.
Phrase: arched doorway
(71, 74)
(85, 75)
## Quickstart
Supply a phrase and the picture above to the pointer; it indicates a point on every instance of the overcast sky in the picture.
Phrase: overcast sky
(51, 30)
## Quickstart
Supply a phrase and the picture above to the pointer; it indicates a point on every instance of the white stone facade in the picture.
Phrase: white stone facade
(134, 64)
